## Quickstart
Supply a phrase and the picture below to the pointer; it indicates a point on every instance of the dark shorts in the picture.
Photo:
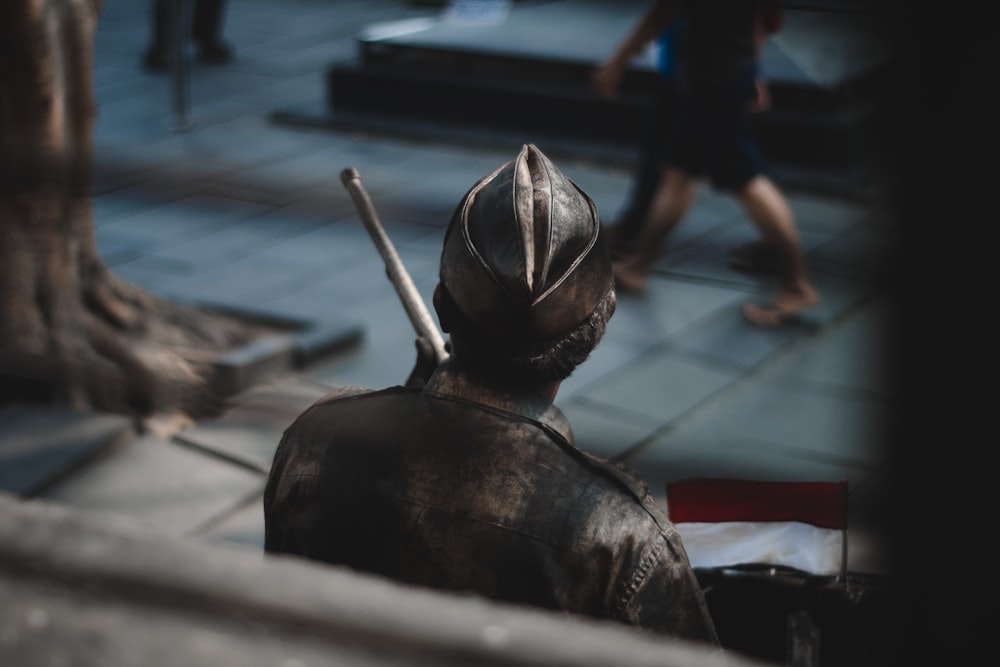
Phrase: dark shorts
(715, 142)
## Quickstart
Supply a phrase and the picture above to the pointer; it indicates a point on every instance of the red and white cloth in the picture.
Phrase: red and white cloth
(734, 522)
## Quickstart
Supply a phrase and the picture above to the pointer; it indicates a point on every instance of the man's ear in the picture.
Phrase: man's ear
(441, 306)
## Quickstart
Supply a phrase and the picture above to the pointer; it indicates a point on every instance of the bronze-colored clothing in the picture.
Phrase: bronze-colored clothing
(458, 486)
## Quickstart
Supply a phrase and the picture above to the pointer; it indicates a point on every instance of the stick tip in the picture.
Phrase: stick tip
(348, 175)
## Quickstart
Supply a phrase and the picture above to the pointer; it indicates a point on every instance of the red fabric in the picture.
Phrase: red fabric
(822, 504)
(772, 17)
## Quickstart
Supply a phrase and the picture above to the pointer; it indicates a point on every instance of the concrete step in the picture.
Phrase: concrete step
(73, 580)
(827, 83)
(837, 135)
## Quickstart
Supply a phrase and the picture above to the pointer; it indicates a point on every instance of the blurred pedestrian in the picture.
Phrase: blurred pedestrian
(206, 30)
(468, 479)
(710, 137)
(623, 231)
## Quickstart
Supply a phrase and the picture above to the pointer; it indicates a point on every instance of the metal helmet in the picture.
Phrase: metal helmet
(524, 256)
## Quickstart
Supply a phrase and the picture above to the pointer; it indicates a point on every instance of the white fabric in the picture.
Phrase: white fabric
(799, 545)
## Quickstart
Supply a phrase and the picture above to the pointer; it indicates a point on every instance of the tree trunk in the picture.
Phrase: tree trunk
(97, 341)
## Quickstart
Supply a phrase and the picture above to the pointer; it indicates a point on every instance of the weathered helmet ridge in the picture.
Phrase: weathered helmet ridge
(524, 256)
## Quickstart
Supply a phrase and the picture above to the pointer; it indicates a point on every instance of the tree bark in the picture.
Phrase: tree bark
(99, 342)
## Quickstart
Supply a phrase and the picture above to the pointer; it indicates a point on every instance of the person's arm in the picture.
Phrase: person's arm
(769, 21)
(608, 75)
(665, 595)
(762, 100)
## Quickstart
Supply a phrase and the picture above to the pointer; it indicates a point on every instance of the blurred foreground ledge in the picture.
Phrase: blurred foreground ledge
(85, 589)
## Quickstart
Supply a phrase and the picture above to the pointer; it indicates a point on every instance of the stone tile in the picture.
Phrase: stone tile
(385, 357)
(318, 167)
(706, 258)
(609, 356)
(169, 225)
(325, 251)
(791, 419)
(719, 205)
(120, 247)
(727, 338)
(664, 309)
(162, 484)
(662, 385)
(440, 191)
(355, 290)
(852, 356)
(113, 206)
(698, 224)
(40, 443)
(242, 141)
(250, 430)
(216, 250)
(272, 60)
(828, 215)
(243, 284)
(134, 116)
(156, 278)
(606, 432)
(432, 242)
(607, 186)
(206, 83)
(840, 296)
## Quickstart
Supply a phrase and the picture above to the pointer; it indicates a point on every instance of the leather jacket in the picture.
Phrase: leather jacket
(465, 486)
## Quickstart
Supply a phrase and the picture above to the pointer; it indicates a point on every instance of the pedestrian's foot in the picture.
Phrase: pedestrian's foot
(787, 310)
(769, 316)
(628, 278)
(157, 60)
(215, 53)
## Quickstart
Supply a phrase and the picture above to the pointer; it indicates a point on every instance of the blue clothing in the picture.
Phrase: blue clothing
(711, 132)
(646, 175)
(666, 57)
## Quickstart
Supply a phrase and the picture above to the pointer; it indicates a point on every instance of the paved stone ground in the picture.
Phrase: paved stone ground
(243, 213)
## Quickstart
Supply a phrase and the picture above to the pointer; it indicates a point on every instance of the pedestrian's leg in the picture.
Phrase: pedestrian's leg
(206, 28)
(670, 204)
(771, 214)
(646, 176)
(158, 56)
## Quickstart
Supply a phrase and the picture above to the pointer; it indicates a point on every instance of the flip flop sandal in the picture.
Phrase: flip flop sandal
(775, 318)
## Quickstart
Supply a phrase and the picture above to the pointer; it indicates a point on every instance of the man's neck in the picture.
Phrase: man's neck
(544, 391)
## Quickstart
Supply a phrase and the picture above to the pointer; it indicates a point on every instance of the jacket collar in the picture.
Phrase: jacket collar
(451, 379)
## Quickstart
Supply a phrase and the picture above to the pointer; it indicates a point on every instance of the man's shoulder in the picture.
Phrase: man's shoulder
(349, 392)
(342, 392)
(331, 407)
(628, 481)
